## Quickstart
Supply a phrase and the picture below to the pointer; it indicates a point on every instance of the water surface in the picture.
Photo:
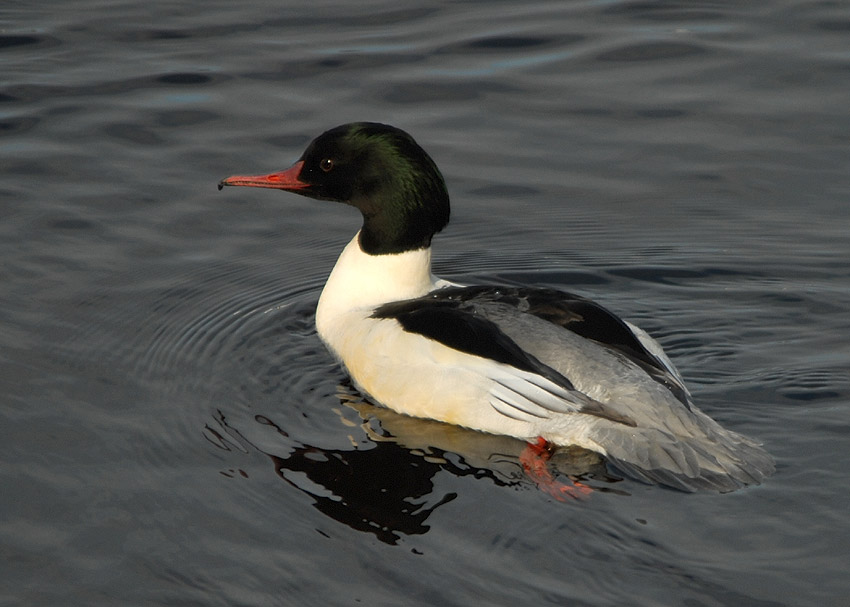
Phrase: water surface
(174, 432)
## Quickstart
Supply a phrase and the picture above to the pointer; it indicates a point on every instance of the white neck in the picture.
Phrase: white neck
(360, 280)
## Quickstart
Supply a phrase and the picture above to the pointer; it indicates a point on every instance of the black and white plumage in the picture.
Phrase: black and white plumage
(524, 362)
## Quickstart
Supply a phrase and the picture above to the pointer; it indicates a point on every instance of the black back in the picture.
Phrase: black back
(448, 316)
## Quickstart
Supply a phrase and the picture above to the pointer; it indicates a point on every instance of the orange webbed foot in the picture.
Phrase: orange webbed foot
(534, 459)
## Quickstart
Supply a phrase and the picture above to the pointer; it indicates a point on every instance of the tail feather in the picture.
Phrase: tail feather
(713, 458)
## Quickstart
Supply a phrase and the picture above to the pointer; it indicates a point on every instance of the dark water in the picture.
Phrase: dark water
(172, 430)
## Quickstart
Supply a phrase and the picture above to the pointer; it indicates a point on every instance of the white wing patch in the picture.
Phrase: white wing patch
(529, 397)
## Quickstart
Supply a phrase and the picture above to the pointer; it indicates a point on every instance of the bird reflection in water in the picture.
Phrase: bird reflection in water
(385, 486)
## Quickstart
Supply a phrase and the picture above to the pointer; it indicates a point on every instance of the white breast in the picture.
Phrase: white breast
(404, 371)
(362, 282)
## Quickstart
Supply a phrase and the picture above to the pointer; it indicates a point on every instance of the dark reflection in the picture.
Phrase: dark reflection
(16, 125)
(383, 490)
(497, 44)
(184, 78)
(385, 485)
(9, 41)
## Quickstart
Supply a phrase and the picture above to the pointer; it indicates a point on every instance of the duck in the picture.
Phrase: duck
(539, 364)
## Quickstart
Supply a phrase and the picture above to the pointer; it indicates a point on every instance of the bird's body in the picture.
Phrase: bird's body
(523, 362)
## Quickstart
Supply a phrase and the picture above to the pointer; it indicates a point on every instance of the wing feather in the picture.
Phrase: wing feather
(522, 384)
(581, 316)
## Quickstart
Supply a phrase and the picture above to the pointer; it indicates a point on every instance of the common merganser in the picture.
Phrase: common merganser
(533, 363)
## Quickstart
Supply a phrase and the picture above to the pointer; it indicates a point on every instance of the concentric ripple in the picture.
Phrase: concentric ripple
(204, 323)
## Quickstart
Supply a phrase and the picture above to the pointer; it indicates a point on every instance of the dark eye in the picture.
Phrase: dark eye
(326, 164)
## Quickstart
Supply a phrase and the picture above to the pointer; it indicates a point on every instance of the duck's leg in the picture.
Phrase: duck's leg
(534, 459)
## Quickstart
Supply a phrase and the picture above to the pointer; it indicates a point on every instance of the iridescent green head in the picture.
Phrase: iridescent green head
(380, 170)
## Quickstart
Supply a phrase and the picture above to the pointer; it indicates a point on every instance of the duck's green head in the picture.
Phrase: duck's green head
(380, 170)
